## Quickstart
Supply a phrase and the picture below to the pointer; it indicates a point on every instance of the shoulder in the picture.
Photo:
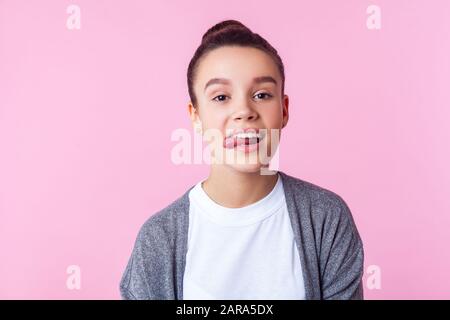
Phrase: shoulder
(165, 223)
(324, 213)
(319, 206)
(313, 195)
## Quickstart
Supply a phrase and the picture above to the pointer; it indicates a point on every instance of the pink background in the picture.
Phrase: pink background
(86, 118)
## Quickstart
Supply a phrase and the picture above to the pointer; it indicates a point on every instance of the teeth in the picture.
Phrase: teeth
(250, 135)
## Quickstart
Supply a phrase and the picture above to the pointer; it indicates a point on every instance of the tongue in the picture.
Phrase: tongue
(241, 141)
(231, 143)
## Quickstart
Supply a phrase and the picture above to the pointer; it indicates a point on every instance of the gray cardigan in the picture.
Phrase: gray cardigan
(329, 245)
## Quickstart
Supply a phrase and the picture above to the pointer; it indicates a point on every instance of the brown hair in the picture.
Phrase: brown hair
(230, 33)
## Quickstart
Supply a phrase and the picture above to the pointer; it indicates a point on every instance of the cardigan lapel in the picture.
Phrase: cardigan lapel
(298, 205)
(181, 243)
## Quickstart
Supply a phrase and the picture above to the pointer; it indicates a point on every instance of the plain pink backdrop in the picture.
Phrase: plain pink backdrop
(86, 118)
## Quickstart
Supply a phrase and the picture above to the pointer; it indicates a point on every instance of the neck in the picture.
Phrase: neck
(234, 189)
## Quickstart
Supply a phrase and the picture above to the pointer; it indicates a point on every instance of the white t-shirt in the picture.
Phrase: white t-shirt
(241, 253)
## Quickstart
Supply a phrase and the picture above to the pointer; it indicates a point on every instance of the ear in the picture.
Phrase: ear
(285, 110)
(191, 111)
(195, 117)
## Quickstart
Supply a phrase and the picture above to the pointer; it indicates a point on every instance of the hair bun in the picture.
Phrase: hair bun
(224, 26)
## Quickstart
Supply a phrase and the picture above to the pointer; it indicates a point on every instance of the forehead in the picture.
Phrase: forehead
(239, 64)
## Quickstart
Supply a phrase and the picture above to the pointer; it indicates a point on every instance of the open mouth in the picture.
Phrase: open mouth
(241, 139)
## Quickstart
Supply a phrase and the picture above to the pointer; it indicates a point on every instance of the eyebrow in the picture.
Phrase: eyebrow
(258, 80)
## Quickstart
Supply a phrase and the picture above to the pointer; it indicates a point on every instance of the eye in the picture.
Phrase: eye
(263, 94)
(221, 98)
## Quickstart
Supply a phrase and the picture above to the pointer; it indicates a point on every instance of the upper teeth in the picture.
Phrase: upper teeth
(250, 135)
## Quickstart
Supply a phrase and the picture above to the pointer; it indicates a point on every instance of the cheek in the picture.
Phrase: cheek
(272, 117)
(214, 118)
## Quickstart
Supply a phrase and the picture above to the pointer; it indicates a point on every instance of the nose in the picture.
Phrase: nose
(245, 113)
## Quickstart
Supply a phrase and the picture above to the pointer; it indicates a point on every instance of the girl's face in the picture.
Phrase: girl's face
(239, 88)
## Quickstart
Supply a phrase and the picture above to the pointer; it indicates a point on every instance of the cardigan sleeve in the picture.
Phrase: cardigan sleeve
(342, 256)
(147, 275)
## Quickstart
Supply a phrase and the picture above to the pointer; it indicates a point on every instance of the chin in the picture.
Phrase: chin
(242, 162)
(246, 168)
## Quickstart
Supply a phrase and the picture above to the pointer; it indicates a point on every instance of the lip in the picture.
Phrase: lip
(242, 130)
(229, 142)
(248, 148)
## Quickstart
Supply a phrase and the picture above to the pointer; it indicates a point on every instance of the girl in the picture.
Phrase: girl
(245, 232)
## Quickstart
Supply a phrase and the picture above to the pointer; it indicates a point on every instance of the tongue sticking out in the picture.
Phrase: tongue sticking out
(233, 142)
(247, 141)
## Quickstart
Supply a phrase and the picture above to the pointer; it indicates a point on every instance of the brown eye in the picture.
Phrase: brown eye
(262, 95)
(221, 98)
